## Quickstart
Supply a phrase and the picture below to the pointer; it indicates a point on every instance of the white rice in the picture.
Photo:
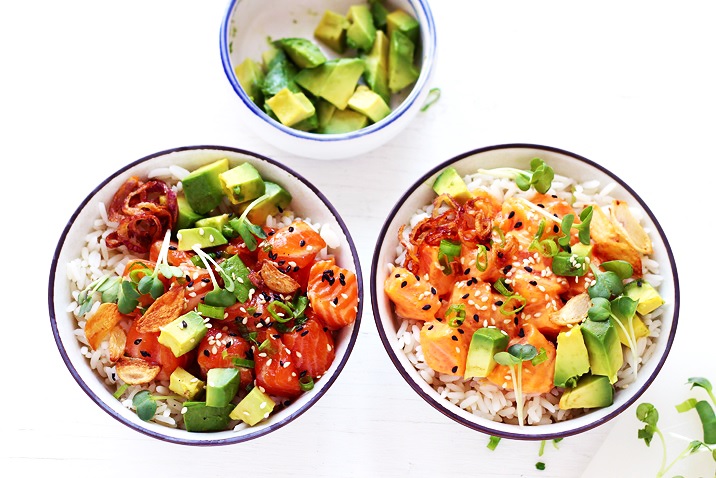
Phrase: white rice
(97, 260)
(483, 398)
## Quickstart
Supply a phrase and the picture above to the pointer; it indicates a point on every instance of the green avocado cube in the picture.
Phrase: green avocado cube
(380, 14)
(449, 182)
(185, 384)
(281, 74)
(183, 333)
(345, 121)
(603, 348)
(324, 112)
(361, 32)
(217, 222)
(369, 103)
(251, 76)
(203, 237)
(334, 81)
(331, 30)
(376, 66)
(592, 391)
(277, 199)
(399, 20)
(198, 417)
(645, 294)
(186, 216)
(254, 407)
(222, 384)
(485, 343)
(291, 108)
(401, 68)
(572, 359)
(242, 183)
(304, 53)
(202, 187)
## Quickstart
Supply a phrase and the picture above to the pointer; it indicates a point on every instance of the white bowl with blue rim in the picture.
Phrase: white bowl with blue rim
(244, 32)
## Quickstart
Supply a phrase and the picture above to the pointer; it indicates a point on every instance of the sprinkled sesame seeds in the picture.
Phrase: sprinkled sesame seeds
(403, 284)
(454, 337)
(454, 369)
(426, 307)
(465, 296)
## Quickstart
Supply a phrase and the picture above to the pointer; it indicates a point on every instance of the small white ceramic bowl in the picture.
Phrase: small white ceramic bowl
(519, 156)
(244, 33)
(307, 202)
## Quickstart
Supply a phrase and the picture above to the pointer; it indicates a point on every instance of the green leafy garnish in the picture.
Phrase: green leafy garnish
(703, 383)
(246, 229)
(540, 176)
(127, 297)
(447, 253)
(513, 358)
(145, 405)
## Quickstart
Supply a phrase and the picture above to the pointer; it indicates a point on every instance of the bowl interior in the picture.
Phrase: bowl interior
(250, 25)
(307, 202)
(566, 164)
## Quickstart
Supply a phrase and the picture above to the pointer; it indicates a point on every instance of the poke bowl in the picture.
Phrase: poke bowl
(205, 295)
(525, 291)
(328, 80)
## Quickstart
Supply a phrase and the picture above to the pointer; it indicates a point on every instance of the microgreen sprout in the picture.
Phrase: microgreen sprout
(219, 297)
(610, 283)
(539, 176)
(246, 229)
(152, 284)
(705, 384)
(145, 405)
(513, 358)
(106, 285)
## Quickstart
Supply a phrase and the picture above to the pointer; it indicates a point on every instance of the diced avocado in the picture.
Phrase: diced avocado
(254, 407)
(268, 56)
(582, 250)
(276, 201)
(304, 53)
(183, 333)
(331, 30)
(401, 69)
(204, 237)
(202, 186)
(234, 268)
(369, 103)
(485, 343)
(221, 386)
(572, 359)
(198, 417)
(334, 81)
(291, 108)
(361, 32)
(186, 216)
(281, 74)
(217, 222)
(251, 77)
(242, 183)
(644, 293)
(640, 329)
(403, 22)
(185, 384)
(450, 182)
(324, 112)
(309, 124)
(592, 391)
(380, 14)
(345, 121)
(376, 66)
(603, 348)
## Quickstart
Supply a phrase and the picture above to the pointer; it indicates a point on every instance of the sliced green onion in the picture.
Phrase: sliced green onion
(267, 346)
(306, 383)
(433, 97)
(501, 287)
(515, 297)
(212, 311)
(120, 391)
(549, 247)
(277, 316)
(494, 441)
(242, 362)
(499, 233)
(459, 315)
(481, 258)
(535, 244)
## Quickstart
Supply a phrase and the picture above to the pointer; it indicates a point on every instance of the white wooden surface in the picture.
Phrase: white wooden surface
(88, 86)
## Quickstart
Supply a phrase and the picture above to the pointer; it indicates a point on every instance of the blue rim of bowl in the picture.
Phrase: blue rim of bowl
(425, 73)
(229, 440)
(441, 406)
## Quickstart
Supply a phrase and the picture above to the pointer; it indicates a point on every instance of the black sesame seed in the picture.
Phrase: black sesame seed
(280, 209)
(325, 329)
(257, 314)
(229, 344)
(397, 276)
(417, 277)
(476, 317)
(271, 233)
(206, 352)
(511, 215)
(555, 228)
(533, 282)
(302, 243)
(138, 341)
(335, 300)
(433, 290)
(145, 353)
(295, 268)
(522, 332)
(290, 229)
(403, 284)
(454, 369)
(184, 325)
(467, 271)
(507, 268)
(302, 374)
(516, 322)
(554, 196)
(466, 296)
(500, 254)
(304, 333)
(528, 269)
(518, 224)
(430, 327)
(438, 319)
(498, 303)
(540, 205)
(206, 280)
(172, 248)
(281, 262)
(454, 337)
(426, 307)
(276, 336)
(461, 331)
(190, 284)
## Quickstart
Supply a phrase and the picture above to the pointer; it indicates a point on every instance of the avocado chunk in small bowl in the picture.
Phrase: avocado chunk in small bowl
(328, 80)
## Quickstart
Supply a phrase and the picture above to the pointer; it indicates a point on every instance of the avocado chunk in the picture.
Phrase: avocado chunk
(324, 112)
(185, 384)
(449, 182)
(202, 187)
(334, 81)
(304, 53)
(572, 359)
(277, 199)
(345, 121)
(401, 70)
(198, 417)
(603, 348)
(368, 103)
(361, 32)
(242, 183)
(308, 124)
(645, 294)
(217, 222)
(376, 66)
(234, 268)
(331, 30)
(485, 343)
(251, 77)
(280, 74)
(204, 237)
(640, 329)
(254, 407)
(291, 108)
(399, 20)
(183, 333)
(380, 14)
(592, 391)
(186, 216)
(221, 386)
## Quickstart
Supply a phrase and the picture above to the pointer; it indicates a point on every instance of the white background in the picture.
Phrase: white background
(88, 86)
